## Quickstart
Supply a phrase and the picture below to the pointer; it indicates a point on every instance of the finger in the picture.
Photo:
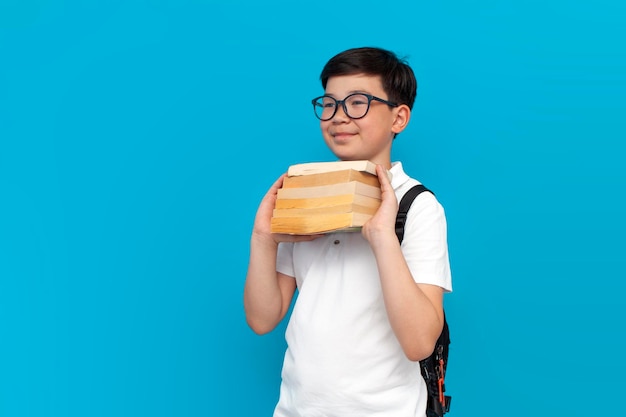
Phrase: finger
(388, 194)
(272, 193)
(278, 183)
(268, 201)
(383, 178)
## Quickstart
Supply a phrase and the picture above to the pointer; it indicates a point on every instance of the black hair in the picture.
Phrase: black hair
(396, 75)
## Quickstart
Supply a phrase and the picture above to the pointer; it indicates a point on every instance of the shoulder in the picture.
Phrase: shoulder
(425, 207)
(402, 183)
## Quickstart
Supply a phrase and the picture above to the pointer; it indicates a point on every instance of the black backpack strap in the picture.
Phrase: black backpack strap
(433, 368)
(405, 205)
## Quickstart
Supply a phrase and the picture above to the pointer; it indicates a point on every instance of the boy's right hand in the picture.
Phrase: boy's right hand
(263, 219)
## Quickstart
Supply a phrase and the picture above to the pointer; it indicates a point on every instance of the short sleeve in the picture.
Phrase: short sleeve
(425, 244)
(284, 259)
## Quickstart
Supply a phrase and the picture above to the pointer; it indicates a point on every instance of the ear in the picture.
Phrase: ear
(402, 117)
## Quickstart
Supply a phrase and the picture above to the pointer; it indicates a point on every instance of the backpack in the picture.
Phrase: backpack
(433, 368)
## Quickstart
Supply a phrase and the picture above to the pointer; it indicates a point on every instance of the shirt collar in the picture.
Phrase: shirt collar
(398, 177)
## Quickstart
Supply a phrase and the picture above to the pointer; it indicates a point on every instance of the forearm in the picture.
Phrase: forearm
(262, 293)
(415, 316)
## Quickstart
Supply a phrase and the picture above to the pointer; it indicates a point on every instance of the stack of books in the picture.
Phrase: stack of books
(323, 197)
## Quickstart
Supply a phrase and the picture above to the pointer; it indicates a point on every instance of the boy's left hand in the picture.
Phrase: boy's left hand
(384, 220)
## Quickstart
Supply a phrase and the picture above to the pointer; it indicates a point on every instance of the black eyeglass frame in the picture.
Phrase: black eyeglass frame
(345, 109)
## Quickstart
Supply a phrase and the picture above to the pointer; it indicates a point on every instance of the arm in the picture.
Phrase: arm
(267, 293)
(415, 310)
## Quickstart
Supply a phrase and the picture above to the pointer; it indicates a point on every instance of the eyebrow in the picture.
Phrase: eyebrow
(351, 92)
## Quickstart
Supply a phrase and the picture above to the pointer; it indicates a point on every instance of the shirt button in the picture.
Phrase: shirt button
(336, 242)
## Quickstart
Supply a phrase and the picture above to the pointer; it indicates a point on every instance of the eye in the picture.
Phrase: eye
(358, 100)
(328, 102)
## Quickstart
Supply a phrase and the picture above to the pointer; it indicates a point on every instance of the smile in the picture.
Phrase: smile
(342, 136)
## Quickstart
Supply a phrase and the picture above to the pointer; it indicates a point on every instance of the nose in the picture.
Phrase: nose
(340, 115)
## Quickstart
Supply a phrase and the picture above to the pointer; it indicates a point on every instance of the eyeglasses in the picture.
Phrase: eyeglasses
(355, 106)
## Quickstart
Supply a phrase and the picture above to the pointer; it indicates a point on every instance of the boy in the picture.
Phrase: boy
(368, 309)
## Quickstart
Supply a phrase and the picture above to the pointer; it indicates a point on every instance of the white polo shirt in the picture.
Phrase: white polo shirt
(343, 358)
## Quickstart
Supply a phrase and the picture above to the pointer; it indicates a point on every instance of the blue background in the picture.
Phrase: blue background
(137, 138)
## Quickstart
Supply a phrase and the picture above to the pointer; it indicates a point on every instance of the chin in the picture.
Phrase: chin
(344, 157)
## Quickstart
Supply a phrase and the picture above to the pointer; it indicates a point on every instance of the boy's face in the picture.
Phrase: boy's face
(371, 136)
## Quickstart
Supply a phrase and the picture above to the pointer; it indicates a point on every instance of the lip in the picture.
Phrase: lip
(342, 136)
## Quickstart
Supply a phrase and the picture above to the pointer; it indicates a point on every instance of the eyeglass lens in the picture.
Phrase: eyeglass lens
(355, 106)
